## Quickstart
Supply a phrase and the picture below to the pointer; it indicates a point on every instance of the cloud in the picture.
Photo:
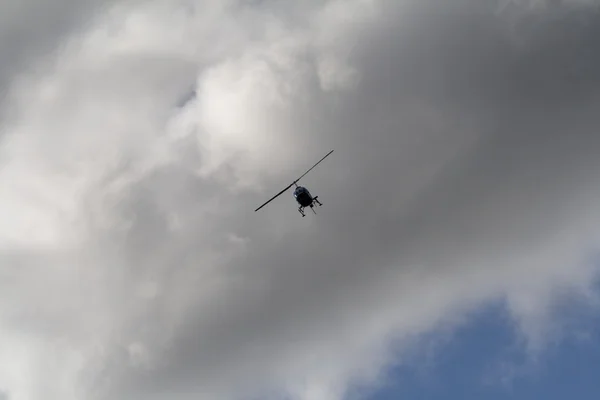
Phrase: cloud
(134, 267)
(32, 29)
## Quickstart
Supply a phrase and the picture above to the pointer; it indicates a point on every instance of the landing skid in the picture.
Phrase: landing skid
(315, 200)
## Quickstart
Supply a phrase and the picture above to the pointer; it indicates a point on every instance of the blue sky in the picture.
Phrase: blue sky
(470, 365)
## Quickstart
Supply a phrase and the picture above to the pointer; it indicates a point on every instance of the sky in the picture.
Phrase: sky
(455, 251)
(482, 360)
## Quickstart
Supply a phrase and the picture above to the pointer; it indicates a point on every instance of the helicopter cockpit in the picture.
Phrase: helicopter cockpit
(303, 196)
(299, 190)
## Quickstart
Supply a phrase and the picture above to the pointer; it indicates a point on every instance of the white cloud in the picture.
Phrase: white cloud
(134, 268)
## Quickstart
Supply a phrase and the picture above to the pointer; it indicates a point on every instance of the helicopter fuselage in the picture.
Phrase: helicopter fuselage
(303, 196)
(305, 199)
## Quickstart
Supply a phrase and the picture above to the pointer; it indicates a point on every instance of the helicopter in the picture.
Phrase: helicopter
(301, 194)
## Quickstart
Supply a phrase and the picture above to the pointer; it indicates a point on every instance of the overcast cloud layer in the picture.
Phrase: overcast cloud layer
(133, 267)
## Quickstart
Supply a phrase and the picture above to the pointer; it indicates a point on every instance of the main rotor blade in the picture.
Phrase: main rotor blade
(313, 166)
(273, 198)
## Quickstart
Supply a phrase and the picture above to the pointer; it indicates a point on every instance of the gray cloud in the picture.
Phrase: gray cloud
(32, 28)
(464, 172)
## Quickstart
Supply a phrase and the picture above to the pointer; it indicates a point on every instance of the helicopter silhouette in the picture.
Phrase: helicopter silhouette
(301, 194)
